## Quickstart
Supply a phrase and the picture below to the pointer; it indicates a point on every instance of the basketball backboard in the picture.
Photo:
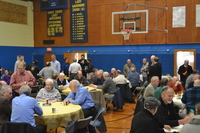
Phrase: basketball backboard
(136, 20)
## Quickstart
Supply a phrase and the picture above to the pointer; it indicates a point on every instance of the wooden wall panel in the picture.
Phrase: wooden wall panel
(99, 24)
(110, 38)
(183, 34)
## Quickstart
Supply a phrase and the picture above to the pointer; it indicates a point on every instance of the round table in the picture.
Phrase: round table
(63, 114)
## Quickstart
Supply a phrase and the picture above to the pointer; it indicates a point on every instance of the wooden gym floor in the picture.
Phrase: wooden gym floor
(116, 122)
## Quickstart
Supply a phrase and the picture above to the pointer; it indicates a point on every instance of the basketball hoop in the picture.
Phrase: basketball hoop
(126, 33)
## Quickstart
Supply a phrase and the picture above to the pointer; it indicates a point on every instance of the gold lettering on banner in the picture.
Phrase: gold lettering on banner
(54, 22)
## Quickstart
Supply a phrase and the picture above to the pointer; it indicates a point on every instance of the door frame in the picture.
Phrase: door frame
(175, 58)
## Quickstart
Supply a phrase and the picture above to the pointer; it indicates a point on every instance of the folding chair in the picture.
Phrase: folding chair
(96, 123)
(141, 89)
(81, 124)
(108, 99)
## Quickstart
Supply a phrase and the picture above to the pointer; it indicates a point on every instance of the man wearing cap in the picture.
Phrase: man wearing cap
(166, 112)
(144, 121)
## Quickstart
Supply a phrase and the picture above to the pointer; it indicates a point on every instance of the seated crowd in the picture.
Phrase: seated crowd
(159, 109)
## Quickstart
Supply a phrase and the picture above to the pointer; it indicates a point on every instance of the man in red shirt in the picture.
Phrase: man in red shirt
(21, 77)
(176, 84)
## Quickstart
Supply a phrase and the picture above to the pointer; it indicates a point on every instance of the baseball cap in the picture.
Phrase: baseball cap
(151, 103)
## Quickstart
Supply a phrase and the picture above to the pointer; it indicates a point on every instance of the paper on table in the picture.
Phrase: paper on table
(175, 129)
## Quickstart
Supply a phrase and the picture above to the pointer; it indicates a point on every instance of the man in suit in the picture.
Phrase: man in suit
(5, 107)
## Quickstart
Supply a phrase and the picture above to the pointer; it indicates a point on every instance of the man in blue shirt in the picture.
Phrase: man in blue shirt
(134, 78)
(80, 95)
(24, 107)
(192, 96)
(65, 67)
(55, 64)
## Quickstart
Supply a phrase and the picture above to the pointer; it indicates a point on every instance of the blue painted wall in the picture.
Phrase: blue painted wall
(103, 57)
(8, 55)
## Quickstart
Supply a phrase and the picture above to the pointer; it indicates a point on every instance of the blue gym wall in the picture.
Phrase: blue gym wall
(104, 57)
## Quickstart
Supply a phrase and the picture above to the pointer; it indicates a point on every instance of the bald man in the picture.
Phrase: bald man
(127, 67)
(184, 71)
(176, 85)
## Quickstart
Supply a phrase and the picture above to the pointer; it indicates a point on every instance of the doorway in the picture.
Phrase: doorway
(184, 54)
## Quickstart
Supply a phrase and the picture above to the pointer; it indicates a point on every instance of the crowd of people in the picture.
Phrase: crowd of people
(159, 110)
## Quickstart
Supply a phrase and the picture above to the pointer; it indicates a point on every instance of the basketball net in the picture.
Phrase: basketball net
(126, 33)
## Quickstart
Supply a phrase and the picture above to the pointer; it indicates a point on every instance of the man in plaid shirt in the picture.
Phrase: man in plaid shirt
(192, 96)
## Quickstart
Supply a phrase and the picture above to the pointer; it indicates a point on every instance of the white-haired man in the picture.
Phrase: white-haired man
(5, 107)
(48, 93)
(166, 112)
(80, 96)
(24, 107)
(149, 90)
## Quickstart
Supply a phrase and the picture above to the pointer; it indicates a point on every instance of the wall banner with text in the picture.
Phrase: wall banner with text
(55, 23)
(78, 31)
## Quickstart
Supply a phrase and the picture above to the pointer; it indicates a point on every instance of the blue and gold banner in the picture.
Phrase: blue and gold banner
(55, 23)
(78, 21)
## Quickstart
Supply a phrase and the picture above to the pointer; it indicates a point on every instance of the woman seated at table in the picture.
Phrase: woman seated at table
(48, 93)
(80, 95)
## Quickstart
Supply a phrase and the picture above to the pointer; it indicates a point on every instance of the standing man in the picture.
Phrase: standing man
(73, 69)
(5, 107)
(21, 77)
(65, 67)
(55, 64)
(89, 69)
(83, 63)
(24, 107)
(20, 59)
(184, 71)
(127, 67)
(33, 68)
(155, 69)
(144, 70)
(47, 71)
(81, 96)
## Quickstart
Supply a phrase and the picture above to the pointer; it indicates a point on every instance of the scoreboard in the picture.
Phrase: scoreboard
(53, 4)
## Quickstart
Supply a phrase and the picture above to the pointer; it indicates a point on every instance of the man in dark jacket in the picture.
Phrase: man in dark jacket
(184, 71)
(166, 112)
(144, 121)
(5, 107)
(155, 69)
(33, 68)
